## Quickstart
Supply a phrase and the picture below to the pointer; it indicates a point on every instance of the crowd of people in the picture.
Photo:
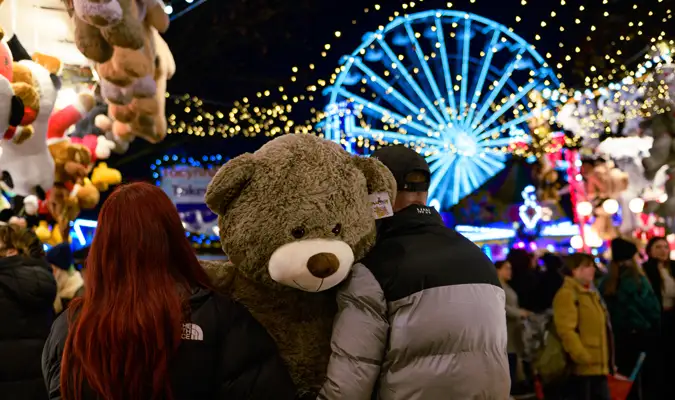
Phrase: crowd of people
(605, 315)
(456, 327)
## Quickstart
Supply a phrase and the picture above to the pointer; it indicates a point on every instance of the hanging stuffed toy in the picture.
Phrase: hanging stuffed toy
(30, 164)
(100, 26)
(19, 101)
(128, 74)
(149, 119)
(62, 120)
(96, 122)
(103, 177)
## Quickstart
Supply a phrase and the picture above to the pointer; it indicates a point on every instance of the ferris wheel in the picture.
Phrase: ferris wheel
(452, 85)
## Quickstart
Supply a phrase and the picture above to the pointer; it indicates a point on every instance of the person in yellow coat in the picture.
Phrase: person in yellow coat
(582, 323)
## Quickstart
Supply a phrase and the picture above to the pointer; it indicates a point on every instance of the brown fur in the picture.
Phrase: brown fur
(65, 152)
(293, 181)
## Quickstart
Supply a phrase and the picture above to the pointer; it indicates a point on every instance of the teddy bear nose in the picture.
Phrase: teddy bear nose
(323, 265)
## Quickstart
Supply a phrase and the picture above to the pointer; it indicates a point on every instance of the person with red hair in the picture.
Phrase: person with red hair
(149, 325)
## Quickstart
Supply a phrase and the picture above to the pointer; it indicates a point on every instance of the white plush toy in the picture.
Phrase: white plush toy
(30, 164)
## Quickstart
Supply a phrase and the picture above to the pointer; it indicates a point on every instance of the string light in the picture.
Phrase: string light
(243, 118)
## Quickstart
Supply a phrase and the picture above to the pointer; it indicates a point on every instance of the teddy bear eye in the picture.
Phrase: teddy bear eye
(337, 229)
(298, 232)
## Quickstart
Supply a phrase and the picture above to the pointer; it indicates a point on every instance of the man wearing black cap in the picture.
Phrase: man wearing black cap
(445, 308)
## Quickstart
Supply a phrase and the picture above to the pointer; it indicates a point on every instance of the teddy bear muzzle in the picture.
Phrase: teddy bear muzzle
(312, 265)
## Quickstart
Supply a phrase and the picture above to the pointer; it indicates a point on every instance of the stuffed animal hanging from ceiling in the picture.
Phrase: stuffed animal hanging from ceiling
(30, 163)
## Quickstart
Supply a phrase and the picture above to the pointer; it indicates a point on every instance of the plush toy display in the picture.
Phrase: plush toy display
(19, 100)
(62, 120)
(148, 115)
(72, 161)
(99, 26)
(97, 123)
(30, 164)
(546, 181)
(603, 181)
(55, 208)
(103, 177)
(129, 73)
(293, 217)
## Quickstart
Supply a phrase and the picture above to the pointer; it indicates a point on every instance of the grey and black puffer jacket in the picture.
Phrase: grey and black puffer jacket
(440, 333)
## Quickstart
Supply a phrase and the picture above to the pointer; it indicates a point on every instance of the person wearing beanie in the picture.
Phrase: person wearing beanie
(633, 308)
(69, 282)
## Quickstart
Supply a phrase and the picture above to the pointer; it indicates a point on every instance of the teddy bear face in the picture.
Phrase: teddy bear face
(296, 213)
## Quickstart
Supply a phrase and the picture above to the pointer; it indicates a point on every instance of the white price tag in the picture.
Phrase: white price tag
(381, 205)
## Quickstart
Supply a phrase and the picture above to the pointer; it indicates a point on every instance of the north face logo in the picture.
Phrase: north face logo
(192, 332)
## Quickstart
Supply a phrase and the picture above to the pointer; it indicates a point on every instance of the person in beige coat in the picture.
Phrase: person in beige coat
(514, 316)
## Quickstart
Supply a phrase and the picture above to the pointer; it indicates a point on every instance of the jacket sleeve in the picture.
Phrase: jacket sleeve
(512, 309)
(51, 357)
(251, 365)
(649, 303)
(566, 319)
(359, 339)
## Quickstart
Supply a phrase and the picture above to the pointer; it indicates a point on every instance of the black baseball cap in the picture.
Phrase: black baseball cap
(401, 161)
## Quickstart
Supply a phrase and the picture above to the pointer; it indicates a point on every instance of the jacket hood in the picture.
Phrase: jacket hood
(29, 280)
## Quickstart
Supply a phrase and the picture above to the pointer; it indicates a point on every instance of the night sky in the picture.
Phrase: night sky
(228, 49)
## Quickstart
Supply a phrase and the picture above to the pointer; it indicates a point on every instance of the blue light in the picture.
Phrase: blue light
(488, 252)
(78, 224)
(440, 97)
(484, 234)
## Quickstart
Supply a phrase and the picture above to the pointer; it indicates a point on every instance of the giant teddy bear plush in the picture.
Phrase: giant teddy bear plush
(293, 217)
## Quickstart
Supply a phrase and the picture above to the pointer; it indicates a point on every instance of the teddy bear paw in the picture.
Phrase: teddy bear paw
(128, 34)
(99, 13)
(115, 94)
(90, 42)
(144, 87)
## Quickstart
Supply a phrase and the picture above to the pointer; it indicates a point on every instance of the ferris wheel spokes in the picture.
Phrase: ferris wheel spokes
(465, 66)
(480, 83)
(510, 103)
(420, 93)
(509, 124)
(427, 71)
(447, 74)
(496, 90)
(395, 93)
(384, 113)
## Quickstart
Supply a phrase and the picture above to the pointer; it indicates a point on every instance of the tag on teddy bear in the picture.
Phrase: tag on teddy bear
(381, 205)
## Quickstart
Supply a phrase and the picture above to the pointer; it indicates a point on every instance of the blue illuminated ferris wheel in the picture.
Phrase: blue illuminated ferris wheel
(452, 85)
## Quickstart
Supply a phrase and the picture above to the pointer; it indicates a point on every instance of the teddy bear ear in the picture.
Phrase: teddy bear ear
(228, 183)
(378, 177)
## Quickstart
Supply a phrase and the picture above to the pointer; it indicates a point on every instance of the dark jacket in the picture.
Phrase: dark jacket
(634, 307)
(27, 292)
(225, 354)
(651, 268)
(440, 333)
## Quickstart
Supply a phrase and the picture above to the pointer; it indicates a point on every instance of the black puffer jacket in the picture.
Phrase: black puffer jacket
(225, 354)
(27, 292)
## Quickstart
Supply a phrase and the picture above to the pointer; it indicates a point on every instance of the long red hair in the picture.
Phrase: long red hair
(139, 272)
